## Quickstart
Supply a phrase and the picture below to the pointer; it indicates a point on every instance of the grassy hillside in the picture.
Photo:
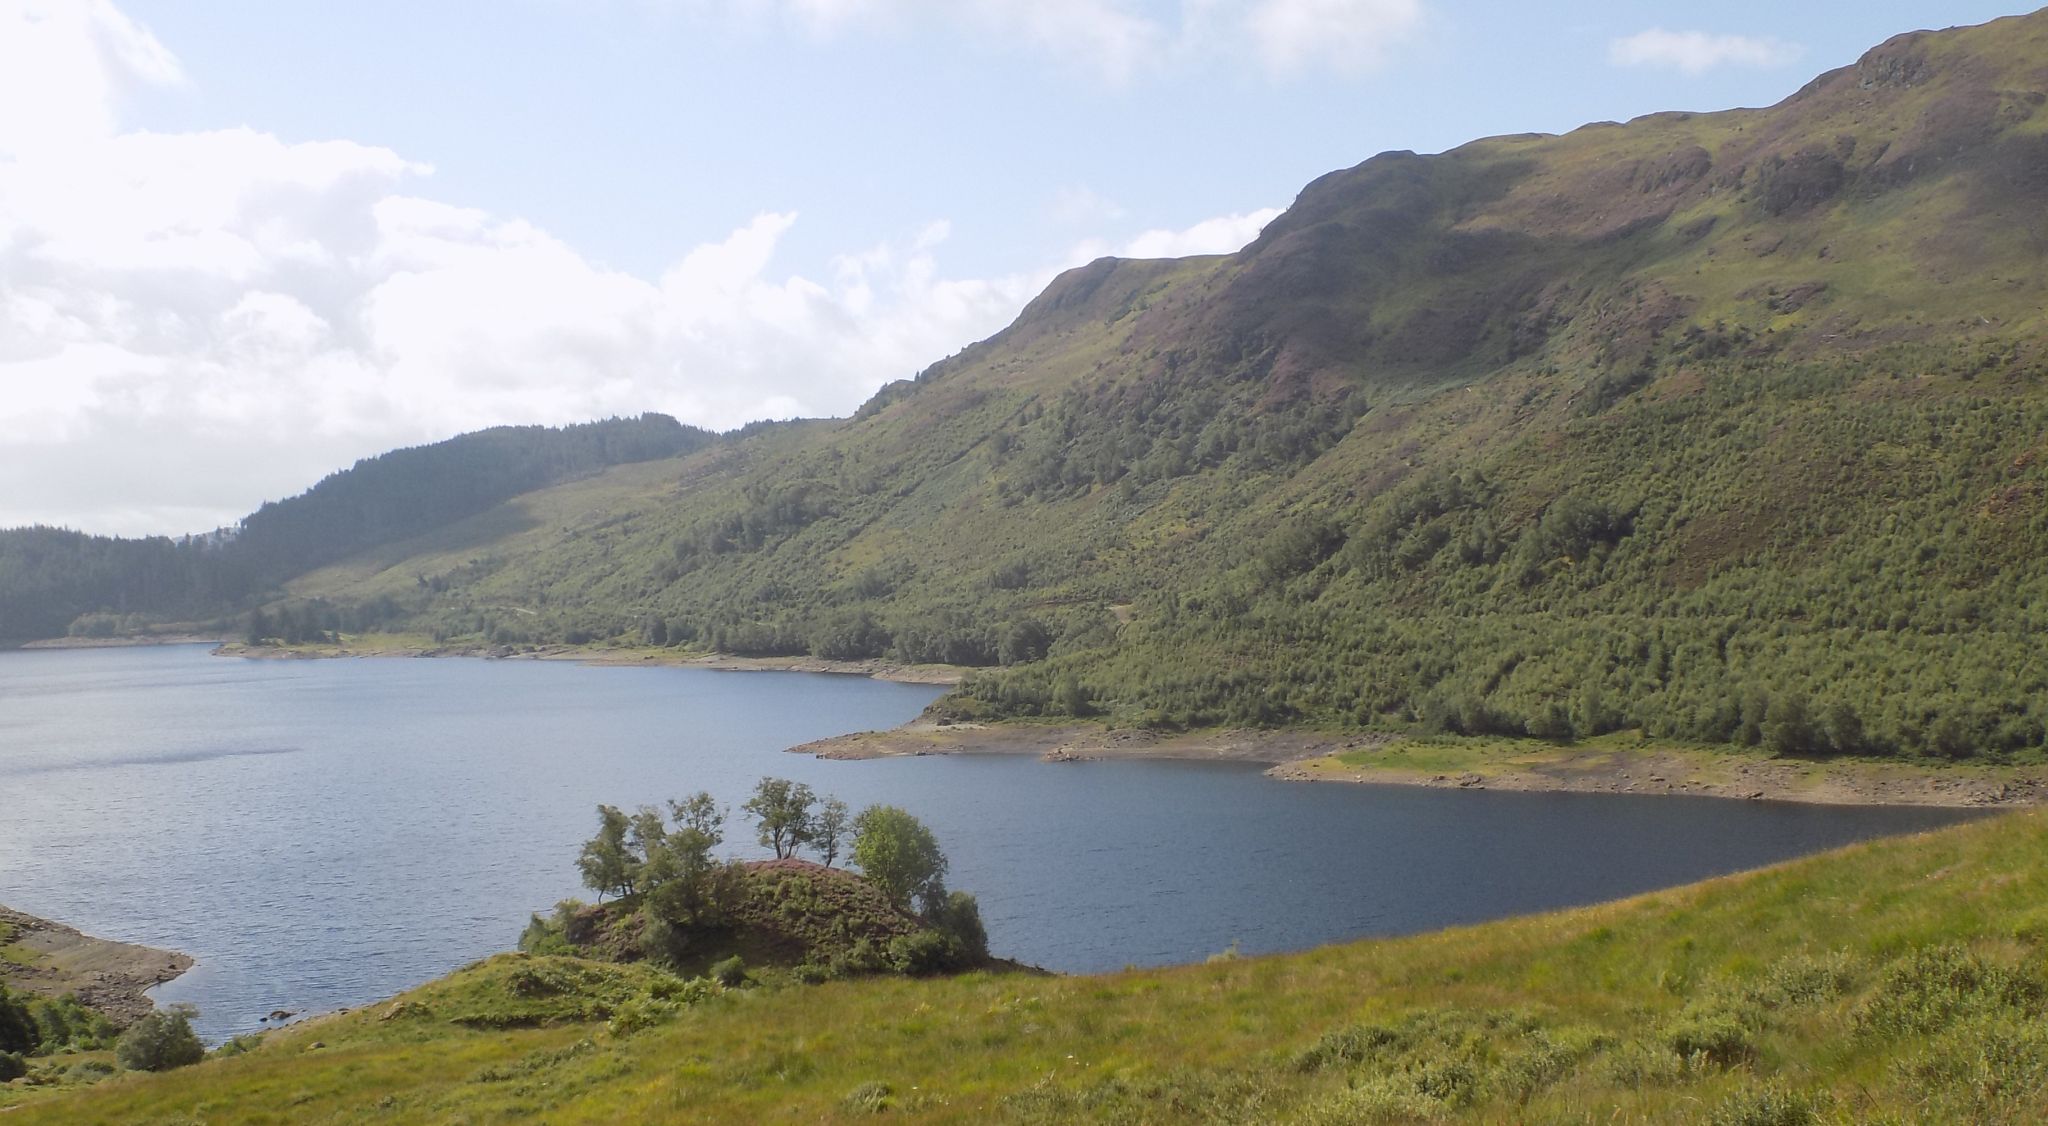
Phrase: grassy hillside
(1727, 426)
(1901, 981)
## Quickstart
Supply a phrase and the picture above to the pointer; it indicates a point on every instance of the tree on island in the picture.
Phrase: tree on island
(900, 856)
(607, 861)
(638, 853)
(782, 812)
(680, 902)
(830, 828)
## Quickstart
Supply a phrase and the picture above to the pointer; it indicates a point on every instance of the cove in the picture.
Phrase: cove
(322, 834)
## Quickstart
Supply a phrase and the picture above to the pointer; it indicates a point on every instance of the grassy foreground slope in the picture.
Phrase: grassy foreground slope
(1726, 426)
(1901, 981)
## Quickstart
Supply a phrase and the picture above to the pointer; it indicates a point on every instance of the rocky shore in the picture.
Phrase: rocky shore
(1608, 766)
(625, 657)
(50, 959)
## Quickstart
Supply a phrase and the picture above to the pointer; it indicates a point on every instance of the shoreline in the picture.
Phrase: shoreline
(1068, 742)
(873, 669)
(1623, 763)
(50, 959)
(1609, 765)
(122, 642)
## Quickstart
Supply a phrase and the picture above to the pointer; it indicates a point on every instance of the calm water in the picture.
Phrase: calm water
(326, 833)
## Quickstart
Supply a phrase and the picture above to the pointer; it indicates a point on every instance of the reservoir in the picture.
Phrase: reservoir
(320, 834)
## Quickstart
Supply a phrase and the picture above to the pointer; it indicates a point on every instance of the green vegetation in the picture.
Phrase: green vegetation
(35, 1026)
(787, 918)
(161, 1041)
(1899, 981)
(55, 582)
(1726, 427)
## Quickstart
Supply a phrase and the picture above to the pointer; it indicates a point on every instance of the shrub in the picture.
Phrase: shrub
(66, 1022)
(868, 1098)
(160, 1041)
(1928, 989)
(1714, 1028)
(1353, 1044)
(1981, 1069)
(925, 952)
(17, 1028)
(545, 936)
(1770, 1105)
(639, 1013)
(1382, 1098)
(958, 917)
(730, 972)
(1804, 979)
(1638, 1064)
(246, 1043)
(12, 1066)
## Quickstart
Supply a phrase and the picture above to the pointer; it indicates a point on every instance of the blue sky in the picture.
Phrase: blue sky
(243, 244)
(637, 129)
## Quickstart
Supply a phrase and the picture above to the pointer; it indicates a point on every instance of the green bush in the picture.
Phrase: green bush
(1928, 989)
(17, 1028)
(639, 1013)
(160, 1041)
(1770, 1104)
(1806, 979)
(729, 972)
(925, 952)
(868, 1098)
(12, 1066)
(958, 917)
(242, 1045)
(1717, 1029)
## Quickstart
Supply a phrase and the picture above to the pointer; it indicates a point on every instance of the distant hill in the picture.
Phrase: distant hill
(49, 577)
(1728, 426)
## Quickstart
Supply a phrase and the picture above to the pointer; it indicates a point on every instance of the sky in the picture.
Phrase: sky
(243, 245)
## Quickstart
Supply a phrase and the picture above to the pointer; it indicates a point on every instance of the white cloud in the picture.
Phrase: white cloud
(193, 323)
(1119, 40)
(64, 65)
(1347, 36)
(1222, 235)
(1697, 52)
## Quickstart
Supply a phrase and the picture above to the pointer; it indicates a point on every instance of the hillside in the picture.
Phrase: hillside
(54, 581)
(1725, 426)
(1728, 426)
(1914, 995)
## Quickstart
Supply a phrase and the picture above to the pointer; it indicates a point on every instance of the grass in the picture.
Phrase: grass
(1896, 981)
(12, 951)
(1630, 759)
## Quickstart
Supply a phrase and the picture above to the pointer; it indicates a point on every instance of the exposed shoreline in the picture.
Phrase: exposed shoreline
(620, 658)
(1607, 766)
(123, 642)
(50, 959)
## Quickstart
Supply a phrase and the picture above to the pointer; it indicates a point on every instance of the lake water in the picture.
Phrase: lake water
(326, 833)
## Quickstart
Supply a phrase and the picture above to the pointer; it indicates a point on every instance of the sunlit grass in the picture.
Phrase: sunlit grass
(1847, 977)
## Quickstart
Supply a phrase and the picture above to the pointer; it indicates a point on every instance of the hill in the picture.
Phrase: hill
(1727, 426)
(1915, 995)
(54, 581)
